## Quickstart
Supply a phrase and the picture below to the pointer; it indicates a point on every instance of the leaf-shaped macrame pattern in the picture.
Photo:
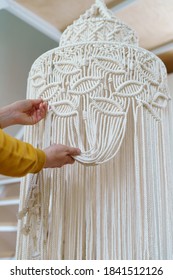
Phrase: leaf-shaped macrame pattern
(66, 67)
(160, 100)
(49, 91)
(85, 85)
(110, 65)
(149, 75)
(129, 89)
(63, 108)
(149, 68)
(108, 106)
(37, 80)
(155, 104)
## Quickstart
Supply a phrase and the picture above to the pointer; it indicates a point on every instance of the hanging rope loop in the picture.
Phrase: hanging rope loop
(98, 8)
(102, 8)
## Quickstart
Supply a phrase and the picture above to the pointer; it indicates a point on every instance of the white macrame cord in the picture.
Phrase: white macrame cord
(108, 97)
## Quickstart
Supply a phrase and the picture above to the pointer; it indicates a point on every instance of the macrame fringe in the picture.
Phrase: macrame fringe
(109, 99)
(118, 210)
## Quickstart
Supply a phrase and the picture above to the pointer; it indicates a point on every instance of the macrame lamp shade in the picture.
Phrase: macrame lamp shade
(108, 97)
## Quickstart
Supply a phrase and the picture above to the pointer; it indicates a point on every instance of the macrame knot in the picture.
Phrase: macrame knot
(31, 202)
(102, 9)
(110, 80)
(36, 256)
(99, 8)
(22, 213)
(139, 102)
(25, 230)
(107, 97)
(37, 209)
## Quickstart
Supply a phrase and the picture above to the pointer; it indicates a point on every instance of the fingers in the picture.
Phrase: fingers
(43, 109)
(39, 104)
(70, 160)
(73, 151)
(36, 102)
(58, 155)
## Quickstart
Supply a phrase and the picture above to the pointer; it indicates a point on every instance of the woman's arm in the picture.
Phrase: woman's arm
(18, 158)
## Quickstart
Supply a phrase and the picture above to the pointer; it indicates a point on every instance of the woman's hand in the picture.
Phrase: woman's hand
(29, 112)
(25, 112)
(58, 155)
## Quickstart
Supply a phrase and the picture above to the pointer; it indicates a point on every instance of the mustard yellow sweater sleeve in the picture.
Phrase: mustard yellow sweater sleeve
(18, 158)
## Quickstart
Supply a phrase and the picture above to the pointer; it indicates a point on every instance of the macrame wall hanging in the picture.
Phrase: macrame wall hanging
(108, 97)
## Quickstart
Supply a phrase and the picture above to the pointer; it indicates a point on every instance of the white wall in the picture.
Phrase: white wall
(170, 108)
(170, 81)
(20, 45)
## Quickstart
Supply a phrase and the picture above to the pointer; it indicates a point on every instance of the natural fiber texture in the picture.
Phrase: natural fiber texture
(108, 97)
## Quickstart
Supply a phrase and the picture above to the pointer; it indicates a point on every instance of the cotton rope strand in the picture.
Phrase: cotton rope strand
(108, 97)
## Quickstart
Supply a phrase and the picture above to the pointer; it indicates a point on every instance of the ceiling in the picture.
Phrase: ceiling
(152, 20)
